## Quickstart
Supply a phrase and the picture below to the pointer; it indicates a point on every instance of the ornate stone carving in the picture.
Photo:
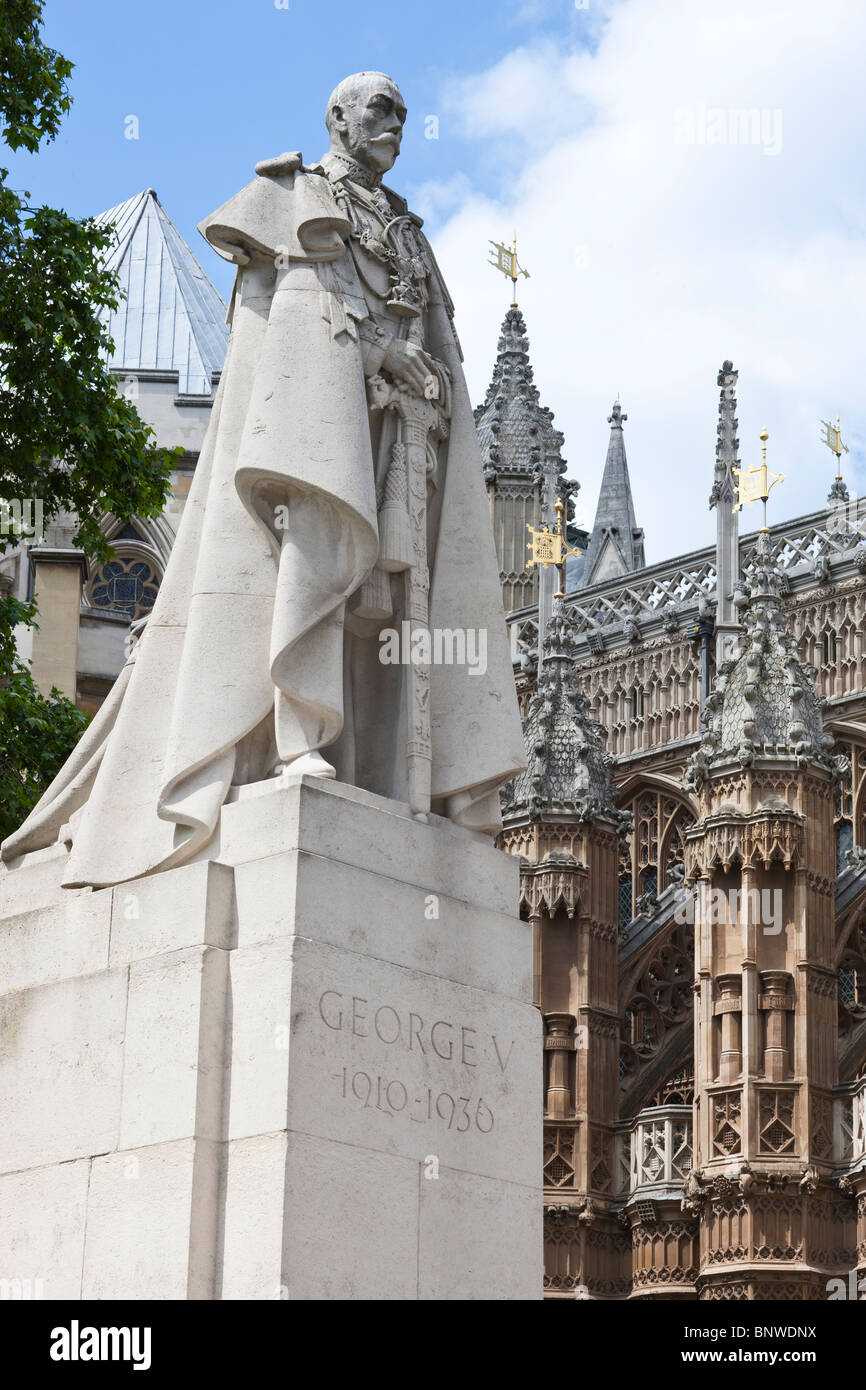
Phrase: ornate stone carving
(660, 999)
(551, 884)
(568, 776)
(764, 705)
(773, 833)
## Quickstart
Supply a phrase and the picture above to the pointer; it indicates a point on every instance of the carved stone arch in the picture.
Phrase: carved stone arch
(670, 785)
(645, 857)
(156, 534)
(675, 935)
(129, 582)
(656, 1000)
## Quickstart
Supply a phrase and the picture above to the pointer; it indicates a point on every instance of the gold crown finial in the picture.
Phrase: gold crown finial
(832, 437)
(549, 547)
(754, 484)
(504, 259)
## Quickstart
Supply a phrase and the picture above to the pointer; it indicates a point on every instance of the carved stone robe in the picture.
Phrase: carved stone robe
(263, 643)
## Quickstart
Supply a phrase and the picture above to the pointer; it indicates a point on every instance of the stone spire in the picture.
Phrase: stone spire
(616, 543)
(523, 469)
(765, 706)
(568, 774)
(515, 430)
(727, 520)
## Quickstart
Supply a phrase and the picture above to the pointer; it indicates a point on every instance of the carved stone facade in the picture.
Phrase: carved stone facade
(700, 960)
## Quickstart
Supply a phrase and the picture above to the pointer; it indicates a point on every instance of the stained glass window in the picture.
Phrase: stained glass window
(125, 584)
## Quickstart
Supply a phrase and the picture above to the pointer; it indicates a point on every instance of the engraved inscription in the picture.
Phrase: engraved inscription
(460, 1113)
(458, 1046)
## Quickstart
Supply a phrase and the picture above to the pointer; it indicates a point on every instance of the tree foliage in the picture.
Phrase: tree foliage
(68, 439)
(67, 436)
(37, 732)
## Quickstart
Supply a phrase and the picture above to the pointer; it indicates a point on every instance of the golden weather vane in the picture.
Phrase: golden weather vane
(501, 258)
(549, 547)
(755, 483)
(832, 437)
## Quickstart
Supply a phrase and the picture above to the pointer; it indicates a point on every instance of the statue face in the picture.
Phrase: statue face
(368, 123)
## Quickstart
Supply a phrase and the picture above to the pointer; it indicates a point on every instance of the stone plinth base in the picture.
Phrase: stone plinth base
(304, 1066)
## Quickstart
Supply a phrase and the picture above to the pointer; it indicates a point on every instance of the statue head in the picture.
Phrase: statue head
(365, 119)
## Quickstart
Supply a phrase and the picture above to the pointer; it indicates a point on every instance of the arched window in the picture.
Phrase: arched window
(844, 842)
(126, 585)
(129, 582)
(850, 797)
(848, 987)
(625, 902)
(649, 882)
(654, 847)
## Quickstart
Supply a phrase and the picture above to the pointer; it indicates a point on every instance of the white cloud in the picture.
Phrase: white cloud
(652, 260)
(531, 91)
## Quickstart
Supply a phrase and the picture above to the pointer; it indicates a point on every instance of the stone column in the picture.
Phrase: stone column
(559, 817)
(765, 1040)
(559, 1045)
(775, 1002)
(59, 575)
(730, 1006)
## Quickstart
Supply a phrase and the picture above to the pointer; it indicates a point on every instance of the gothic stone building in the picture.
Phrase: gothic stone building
(691, 826)
(693, 864)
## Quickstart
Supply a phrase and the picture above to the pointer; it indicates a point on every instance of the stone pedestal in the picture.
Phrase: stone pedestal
(304, 1066)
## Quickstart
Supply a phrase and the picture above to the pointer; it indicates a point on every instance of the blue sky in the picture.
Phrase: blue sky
(662, 235)
(217, 86)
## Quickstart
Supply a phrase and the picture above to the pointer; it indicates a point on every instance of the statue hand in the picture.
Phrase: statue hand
(409, 363)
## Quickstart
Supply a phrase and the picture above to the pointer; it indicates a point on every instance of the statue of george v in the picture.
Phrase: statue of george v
(339, 495)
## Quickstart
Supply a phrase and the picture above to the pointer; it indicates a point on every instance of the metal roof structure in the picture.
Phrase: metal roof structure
(171, 318)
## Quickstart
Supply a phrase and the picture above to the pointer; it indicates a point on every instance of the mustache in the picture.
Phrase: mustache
(389, 138)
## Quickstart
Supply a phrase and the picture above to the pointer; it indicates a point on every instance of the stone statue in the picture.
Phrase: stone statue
(339, 494)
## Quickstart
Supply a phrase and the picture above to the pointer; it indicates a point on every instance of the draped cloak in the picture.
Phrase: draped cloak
(251, 653)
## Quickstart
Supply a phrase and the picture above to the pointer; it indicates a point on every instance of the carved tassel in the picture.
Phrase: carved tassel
(395, 538)
(374, 597)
